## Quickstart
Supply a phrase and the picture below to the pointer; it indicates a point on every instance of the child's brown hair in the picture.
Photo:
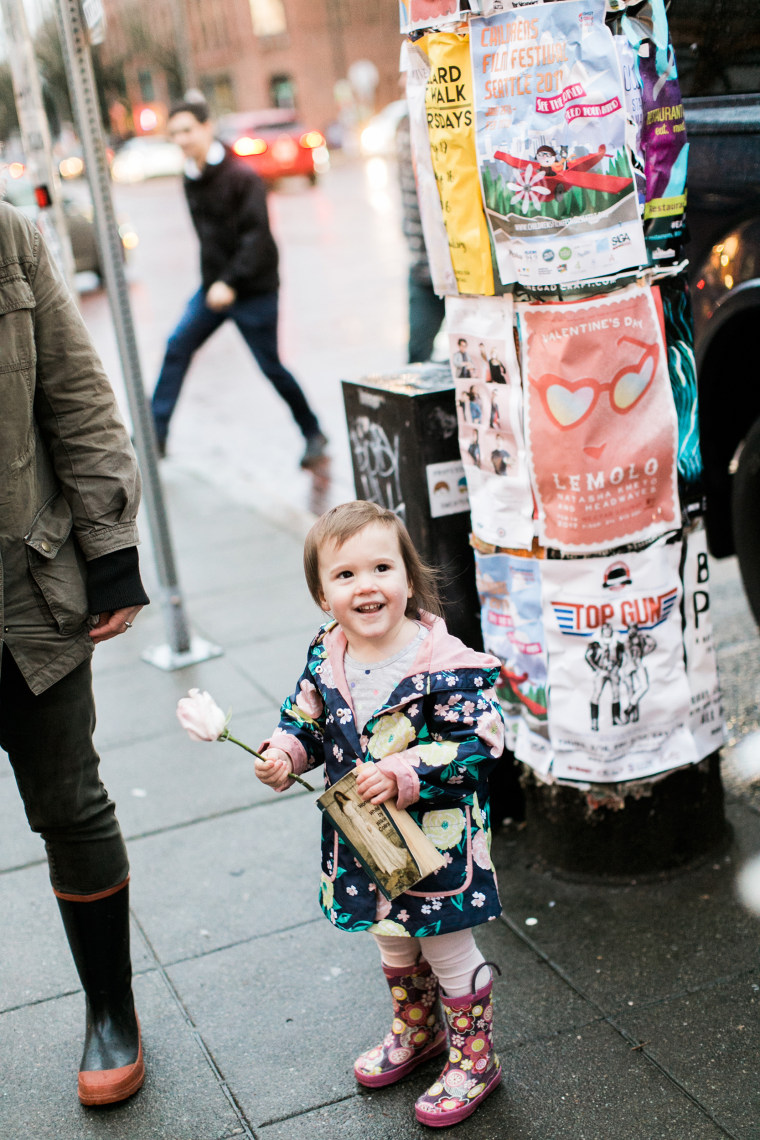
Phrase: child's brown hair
(343, 522)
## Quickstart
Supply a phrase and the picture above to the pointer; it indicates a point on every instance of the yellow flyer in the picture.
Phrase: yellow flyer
(451, 126)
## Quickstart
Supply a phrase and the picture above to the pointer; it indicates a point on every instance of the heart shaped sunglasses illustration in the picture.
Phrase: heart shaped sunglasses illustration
(569, 402)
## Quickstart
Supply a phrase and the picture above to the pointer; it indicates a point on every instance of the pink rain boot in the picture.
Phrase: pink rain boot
(473, 1070)
(417, 1033)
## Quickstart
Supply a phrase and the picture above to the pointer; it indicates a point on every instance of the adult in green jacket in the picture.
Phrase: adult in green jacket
(69, 492)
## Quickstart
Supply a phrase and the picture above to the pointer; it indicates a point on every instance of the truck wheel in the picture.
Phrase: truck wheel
(745, 516)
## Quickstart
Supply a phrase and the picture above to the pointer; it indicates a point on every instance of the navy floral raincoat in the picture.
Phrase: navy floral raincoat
(440, 733)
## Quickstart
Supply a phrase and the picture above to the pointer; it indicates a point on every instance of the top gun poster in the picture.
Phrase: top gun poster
(557, 180)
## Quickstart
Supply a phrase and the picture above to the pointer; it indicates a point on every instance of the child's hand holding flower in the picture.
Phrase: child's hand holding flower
(275, 768)
(202, 719)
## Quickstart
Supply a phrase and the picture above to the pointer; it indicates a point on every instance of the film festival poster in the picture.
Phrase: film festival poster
(489, 414)
(600, 421)
(551, 125)
(619, 705)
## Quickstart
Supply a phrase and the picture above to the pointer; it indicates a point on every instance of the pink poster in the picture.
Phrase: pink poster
(415, 14)
(600, 422)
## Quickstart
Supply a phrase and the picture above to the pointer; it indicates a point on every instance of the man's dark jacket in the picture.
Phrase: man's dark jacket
(228, 207)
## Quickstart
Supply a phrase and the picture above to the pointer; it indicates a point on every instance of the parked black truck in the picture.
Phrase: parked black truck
(717, 46)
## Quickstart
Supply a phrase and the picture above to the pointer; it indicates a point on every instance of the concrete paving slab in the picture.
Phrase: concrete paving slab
(245, 615)
(36, 961)
(584, 1085)
(287, 1056)
(195, 508)
(182, 1099)
(274, 666)
(300, 1021)
(254, 560)
(306, 1003)
(709, 1040)
(532, 1000)
(170, 780)
(635, 943)
(135, 704)
(230, 879)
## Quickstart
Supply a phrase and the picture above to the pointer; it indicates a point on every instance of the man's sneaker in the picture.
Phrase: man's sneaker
(316, 450)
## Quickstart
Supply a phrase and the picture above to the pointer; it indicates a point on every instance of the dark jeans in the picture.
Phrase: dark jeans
(48, 739)
(426, 314)
(256, 317)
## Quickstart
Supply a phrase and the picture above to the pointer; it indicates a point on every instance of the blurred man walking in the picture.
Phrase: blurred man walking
(239, 278)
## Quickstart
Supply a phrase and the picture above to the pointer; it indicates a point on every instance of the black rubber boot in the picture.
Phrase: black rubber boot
(98, 932)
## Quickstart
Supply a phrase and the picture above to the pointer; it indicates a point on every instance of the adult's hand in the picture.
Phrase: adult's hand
(113, 623)
(220, 296)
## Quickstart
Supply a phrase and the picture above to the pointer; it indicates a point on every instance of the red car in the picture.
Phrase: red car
(274, 143)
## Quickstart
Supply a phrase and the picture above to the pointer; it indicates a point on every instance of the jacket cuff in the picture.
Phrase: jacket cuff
(99, 541)
(407, 779)
(290, 744)
(114, 583)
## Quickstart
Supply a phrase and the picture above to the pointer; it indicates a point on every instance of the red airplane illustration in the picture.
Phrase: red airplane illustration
(575, 173)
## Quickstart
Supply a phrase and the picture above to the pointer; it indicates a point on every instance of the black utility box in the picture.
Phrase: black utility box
(405, 454)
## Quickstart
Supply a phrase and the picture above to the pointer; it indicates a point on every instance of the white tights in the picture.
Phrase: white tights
(454, 958)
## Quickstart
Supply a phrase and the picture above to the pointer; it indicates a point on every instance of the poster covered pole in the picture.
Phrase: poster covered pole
(182, 648)
(553, 211)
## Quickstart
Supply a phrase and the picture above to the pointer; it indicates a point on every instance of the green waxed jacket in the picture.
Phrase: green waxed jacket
(69, 483)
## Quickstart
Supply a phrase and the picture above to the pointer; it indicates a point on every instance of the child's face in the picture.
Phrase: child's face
(364, 585)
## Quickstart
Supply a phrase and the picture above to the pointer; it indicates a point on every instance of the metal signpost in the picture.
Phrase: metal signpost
(183, 649)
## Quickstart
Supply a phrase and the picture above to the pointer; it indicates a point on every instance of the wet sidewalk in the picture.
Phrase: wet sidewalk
(622, 1013)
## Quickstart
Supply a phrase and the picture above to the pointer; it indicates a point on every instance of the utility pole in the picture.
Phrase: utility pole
(182, 649)
(35, 137)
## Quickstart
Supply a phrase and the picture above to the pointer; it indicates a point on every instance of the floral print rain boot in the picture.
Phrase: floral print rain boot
(417, 1033)
(473, 1070)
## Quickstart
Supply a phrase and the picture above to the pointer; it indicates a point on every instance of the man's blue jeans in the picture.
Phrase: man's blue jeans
(256, 317)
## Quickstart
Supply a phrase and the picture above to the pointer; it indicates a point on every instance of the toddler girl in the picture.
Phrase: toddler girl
(387, 688)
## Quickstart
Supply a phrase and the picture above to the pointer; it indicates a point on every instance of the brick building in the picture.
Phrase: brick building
(248, 54)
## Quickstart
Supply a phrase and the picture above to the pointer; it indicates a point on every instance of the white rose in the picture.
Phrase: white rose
(200, 716)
